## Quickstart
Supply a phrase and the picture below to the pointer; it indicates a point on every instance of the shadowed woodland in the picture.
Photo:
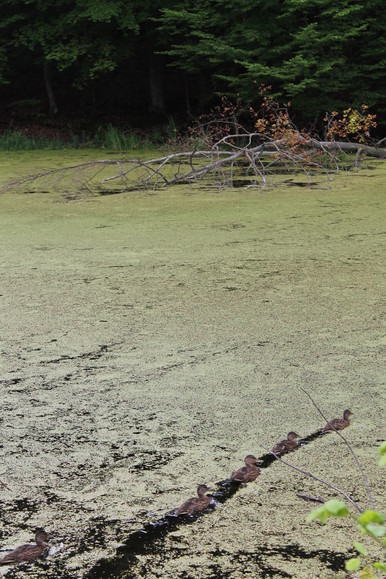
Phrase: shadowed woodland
(82, 65)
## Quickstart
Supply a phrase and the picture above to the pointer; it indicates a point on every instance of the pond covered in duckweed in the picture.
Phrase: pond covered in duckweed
(151, 340)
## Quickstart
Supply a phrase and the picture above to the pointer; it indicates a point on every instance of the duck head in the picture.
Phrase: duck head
(292, 435)
(202, 489)
(251, 460)
(41, 537)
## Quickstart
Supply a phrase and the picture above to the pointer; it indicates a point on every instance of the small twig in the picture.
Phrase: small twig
(308, 498)
(306, 473)
(360, 155)
(348, 446)
(4, 485)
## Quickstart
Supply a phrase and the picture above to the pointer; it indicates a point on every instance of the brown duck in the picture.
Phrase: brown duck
(247, 473)
(195, 505)
(286, 445)
(27, 553)
(338, 423)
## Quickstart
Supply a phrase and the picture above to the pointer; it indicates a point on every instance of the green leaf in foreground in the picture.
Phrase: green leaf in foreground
(360, 548)
(382, 454)
(353, 564)
(320, 514)
(370, 517)
(382, 449)
(331, 508)
(336, 508)
(379, 565)
(375, 531)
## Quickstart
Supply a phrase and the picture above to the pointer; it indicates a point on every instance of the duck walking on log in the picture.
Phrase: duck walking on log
(195, 505)
(338, 423)
(286, 445)
(27, 553)
(247, 473)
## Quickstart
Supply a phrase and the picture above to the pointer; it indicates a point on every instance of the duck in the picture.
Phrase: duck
(195, 505)
(286, 445)
(247, 473)
(27, 553)
(338, 423)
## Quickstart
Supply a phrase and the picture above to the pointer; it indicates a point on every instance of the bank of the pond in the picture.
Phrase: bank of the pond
(151, 340)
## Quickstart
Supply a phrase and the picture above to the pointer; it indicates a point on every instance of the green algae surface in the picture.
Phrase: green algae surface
(151, 340)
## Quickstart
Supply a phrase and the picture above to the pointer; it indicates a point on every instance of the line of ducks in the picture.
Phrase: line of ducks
(195, 505)
(251, 470)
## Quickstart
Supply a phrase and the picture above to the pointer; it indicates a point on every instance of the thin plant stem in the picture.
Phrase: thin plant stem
(348, 446)
(309, 474)
(4, 485)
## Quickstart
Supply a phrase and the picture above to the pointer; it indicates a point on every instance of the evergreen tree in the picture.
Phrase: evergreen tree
(320, 54)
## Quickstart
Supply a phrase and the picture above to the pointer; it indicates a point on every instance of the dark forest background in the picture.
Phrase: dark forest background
(78, 63)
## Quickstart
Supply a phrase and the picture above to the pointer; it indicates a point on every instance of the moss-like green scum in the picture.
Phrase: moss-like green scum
(150, 341)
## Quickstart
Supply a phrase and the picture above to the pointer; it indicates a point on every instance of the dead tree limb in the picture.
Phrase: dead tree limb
(349, 147)
(250, 156)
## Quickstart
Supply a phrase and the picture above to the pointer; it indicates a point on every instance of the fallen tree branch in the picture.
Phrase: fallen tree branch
(233, 157)
(349, 147)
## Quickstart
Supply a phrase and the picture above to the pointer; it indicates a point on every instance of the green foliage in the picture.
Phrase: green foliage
(85, 36)
(115, 139)
(332, 508)
(360, 548)
(382, 454)
(318, 53)
(323, 55)
(118, 140)
(353, 564)
(369, 523)
(19, 141)
(109, 137)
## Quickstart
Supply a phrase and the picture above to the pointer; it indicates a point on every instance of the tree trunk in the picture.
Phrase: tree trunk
(350, 147)
(155, 84)
(187, 96)
(52, 106)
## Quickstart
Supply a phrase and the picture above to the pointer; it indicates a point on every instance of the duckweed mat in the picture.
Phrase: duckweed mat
(151, 341)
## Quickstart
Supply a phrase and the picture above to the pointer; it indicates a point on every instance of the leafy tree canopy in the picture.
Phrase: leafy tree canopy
(322, 55)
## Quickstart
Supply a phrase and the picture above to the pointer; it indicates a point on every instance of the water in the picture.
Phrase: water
(151, 341)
